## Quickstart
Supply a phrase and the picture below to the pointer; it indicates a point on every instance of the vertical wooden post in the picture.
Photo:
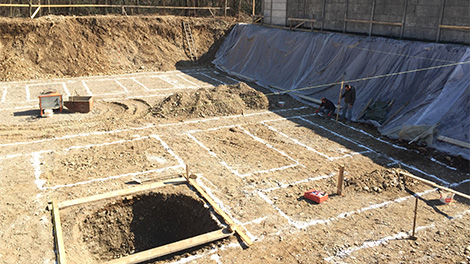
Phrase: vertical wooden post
(339, 100)
(403, 19)
(372, 17)
(441, 17)
(254, 7)
(11, 10)
(271, 13)
(187, 171)
(414, 220)
(30, 8)
(345, 15)
(339, 188)
(225, 8)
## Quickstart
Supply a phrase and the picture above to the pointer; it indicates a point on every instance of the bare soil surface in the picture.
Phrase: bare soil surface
(255, 158)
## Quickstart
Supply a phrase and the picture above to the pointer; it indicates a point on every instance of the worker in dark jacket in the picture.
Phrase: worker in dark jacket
(349, 98)
(328, 107)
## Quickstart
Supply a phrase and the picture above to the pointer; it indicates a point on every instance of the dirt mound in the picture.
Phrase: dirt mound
(380, 180)
(219, 101)
(57, 46)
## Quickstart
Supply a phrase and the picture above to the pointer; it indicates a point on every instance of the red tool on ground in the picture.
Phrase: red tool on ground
(316, 196)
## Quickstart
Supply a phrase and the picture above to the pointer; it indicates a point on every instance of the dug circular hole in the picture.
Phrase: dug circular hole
(147, 221)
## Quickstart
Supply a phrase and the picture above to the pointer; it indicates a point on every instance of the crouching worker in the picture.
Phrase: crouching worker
(328, 107)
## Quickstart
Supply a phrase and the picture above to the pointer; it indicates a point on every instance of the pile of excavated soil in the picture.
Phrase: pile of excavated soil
(222, 100)
(380, 180)
(57, 46)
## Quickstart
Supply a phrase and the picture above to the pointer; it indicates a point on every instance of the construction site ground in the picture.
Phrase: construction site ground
(254, 156)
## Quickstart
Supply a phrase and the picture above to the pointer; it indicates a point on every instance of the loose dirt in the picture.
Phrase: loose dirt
(254, 157)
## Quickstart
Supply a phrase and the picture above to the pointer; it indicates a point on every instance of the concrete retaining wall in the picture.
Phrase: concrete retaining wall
(420, 19)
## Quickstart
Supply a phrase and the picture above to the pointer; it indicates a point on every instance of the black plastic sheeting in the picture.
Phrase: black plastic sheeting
(429, 82)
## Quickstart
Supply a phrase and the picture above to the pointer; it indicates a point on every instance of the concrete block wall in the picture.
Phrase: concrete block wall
(421, 18)
(275, 12)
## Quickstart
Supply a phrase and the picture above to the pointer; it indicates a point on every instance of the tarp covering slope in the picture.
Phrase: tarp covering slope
(429, 82)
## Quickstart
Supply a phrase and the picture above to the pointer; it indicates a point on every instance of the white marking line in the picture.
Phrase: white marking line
(167, 148)
(64, 86)
(148, 126)
(133, 97)
(234, 171)
(215, 79)
(256, 221)
(4, 94)
(122, 86)
(139, 83)
(170, 81)
(87, 88)
(370, 244)
(134, 174)
(443, 164)
(228, 77)
(308, 147)
(336, 134)
(455, 184)
(186, 80)
(144, 74)
(392, 159)
(301, 225)
(36, 163)
(193, 258)
(285, 185)
(78, 135)
(444, 182)
(394, 145)
(215, 257)
(19, 107)
(27, 93)
(37, 155)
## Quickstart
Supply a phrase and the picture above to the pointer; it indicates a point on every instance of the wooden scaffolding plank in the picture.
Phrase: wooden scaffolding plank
(454, 141)
(433, 184)
(58, 233)
(173, 247)
(117, 193)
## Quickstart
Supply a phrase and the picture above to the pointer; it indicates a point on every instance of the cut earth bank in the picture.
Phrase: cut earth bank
(253, 157)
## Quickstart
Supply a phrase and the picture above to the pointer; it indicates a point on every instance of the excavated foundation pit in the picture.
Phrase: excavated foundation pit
(143, 222)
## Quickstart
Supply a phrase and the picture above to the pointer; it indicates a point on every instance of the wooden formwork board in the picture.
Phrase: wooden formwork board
(173, 247)
(191, 178)
(158, 251)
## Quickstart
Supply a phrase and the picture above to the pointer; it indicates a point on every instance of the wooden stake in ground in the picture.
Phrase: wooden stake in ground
(339, 189)
(339, 100)
(414, 220)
